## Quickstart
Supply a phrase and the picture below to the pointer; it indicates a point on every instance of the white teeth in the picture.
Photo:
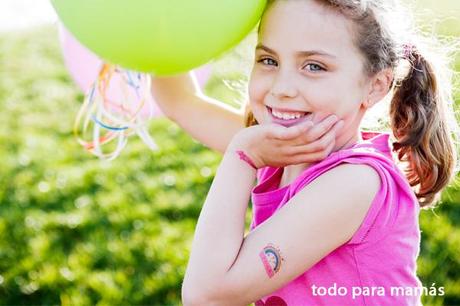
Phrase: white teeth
(287, 116)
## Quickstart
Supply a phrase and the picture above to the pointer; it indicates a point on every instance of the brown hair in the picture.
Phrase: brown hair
(422, 116)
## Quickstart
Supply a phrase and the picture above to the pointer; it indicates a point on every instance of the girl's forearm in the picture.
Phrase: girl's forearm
(171, 92)
(219, 233)
(211, 122)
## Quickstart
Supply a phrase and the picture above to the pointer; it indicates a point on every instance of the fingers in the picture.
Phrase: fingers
(337, 127)
(321, 144)
(322, 127)
(313, 157)
(286, 133)
(286, 146)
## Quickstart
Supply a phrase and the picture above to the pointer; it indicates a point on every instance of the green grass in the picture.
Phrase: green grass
(75, 230)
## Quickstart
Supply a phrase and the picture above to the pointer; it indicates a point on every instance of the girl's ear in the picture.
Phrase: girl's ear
(379, 87)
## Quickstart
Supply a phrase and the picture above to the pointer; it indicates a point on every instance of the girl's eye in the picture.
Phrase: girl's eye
(315, 67)
(267, 61)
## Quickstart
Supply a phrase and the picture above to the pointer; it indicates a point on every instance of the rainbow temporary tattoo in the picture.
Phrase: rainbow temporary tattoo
(271, 258)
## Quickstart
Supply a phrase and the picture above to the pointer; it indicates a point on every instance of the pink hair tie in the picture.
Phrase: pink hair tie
(409, 50)
(246, 158)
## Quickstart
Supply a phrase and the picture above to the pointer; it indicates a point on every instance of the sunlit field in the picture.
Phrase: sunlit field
(76, 230)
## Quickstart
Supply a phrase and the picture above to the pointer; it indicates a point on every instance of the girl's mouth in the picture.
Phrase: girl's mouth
(288, 121)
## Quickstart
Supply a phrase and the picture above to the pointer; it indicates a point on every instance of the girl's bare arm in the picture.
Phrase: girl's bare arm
(214, 123)
(211, 122)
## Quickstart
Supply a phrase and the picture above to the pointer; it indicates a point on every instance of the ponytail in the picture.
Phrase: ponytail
(422, 114)
(418, 119)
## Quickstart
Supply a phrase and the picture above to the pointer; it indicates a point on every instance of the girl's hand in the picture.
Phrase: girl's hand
(279, 146)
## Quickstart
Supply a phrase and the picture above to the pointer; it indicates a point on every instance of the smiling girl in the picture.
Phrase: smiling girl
(339, 230)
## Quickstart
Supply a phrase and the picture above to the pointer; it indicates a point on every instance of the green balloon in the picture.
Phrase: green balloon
(163, 37)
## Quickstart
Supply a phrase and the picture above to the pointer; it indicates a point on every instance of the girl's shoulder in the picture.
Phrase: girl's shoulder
(374, 150)
(373, 142)
(394, 192)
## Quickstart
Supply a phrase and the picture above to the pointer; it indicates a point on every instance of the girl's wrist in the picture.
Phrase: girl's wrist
(243, 148)
(243, 153)
(244, 157)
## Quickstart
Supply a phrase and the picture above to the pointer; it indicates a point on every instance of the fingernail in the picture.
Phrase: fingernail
(334, 117)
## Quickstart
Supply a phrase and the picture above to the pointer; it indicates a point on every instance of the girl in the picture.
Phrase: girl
(342, 230)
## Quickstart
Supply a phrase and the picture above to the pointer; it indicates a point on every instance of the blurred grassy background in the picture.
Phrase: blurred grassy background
(75, 230)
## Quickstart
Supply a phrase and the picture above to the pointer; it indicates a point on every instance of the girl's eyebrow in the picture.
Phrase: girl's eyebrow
(299, 53)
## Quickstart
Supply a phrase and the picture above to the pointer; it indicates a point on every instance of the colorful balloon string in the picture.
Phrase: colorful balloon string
(115, 118)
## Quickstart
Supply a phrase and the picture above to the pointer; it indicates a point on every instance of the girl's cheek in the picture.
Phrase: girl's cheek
(257, 90)
(254, 96)
(323, 104)
(253, 83)
(326, 109)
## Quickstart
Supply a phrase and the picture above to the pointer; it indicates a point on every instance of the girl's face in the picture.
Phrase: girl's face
(306, 61)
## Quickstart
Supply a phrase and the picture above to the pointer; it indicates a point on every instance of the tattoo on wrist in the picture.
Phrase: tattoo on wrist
(246, 158)
(271, 259)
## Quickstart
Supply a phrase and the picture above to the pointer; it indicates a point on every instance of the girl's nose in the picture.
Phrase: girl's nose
(283, 86)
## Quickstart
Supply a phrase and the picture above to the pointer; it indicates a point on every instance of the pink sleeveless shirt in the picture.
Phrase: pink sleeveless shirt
(377, 266)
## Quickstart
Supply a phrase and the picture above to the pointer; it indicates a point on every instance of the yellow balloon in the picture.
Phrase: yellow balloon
(162, 37)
